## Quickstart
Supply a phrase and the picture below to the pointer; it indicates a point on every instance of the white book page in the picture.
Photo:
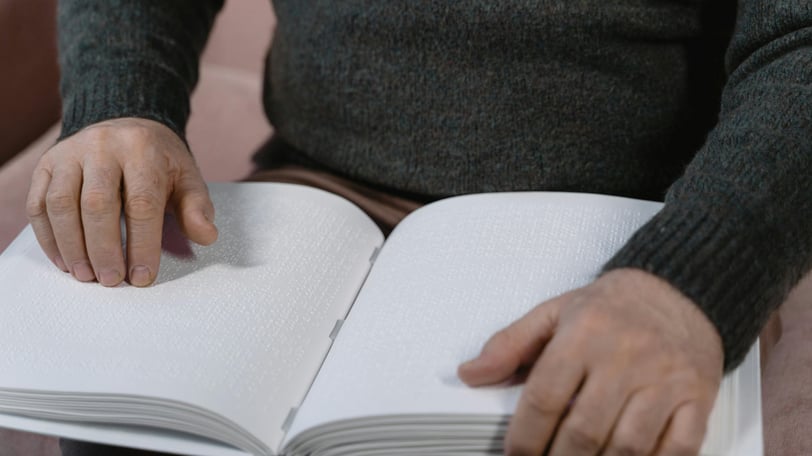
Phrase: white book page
(450, 276)
(239, 328)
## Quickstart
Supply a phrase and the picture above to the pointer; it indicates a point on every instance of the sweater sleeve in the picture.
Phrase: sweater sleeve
(735, 233)
(130, 58)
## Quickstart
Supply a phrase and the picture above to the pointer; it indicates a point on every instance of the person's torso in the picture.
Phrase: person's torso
(448, 97)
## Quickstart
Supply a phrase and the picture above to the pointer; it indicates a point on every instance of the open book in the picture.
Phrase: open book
(300, 332)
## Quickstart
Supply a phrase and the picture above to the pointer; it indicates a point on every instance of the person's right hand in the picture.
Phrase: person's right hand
(81, 185)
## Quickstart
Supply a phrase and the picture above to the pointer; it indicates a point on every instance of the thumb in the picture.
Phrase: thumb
(194, 209)
(514, 347)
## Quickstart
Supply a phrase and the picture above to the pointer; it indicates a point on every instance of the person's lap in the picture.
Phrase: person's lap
(387, 210)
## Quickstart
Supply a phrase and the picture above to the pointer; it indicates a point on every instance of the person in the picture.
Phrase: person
(412, 101)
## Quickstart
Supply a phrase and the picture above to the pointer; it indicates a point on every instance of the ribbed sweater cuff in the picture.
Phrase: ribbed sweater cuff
(149, 93)
(700, 250)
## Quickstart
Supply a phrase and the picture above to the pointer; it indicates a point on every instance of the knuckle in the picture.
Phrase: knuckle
(144, 176)
(98, 202)
(106, 173)
(60, 202)
(35, 207)
(539, 402)
(582, 436)
(142, 207)
(144, 143)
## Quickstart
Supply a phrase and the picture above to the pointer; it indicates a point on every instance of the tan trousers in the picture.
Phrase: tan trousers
(386, 209)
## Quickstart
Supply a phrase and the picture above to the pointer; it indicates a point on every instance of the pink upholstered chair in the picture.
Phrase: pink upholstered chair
(227, 124)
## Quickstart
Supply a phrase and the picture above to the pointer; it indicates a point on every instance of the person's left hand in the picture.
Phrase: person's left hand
(624, 366)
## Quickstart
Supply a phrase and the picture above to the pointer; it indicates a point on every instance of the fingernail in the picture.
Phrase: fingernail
(139, 276)
(83, 272)
(109, 277)
(60, 263)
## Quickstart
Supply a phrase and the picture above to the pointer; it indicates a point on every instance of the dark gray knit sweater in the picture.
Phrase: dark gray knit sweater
(445, 97)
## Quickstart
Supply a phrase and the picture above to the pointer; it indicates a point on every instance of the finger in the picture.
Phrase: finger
(686, 431)
(101, 219)
(590, 420)
(513, 347)
(194, 209)
(144, 198)
(552, 383)
(37, 212)
(62, 205)
(642, 422)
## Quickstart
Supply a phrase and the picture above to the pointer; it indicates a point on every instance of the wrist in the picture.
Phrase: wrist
(666, 300)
